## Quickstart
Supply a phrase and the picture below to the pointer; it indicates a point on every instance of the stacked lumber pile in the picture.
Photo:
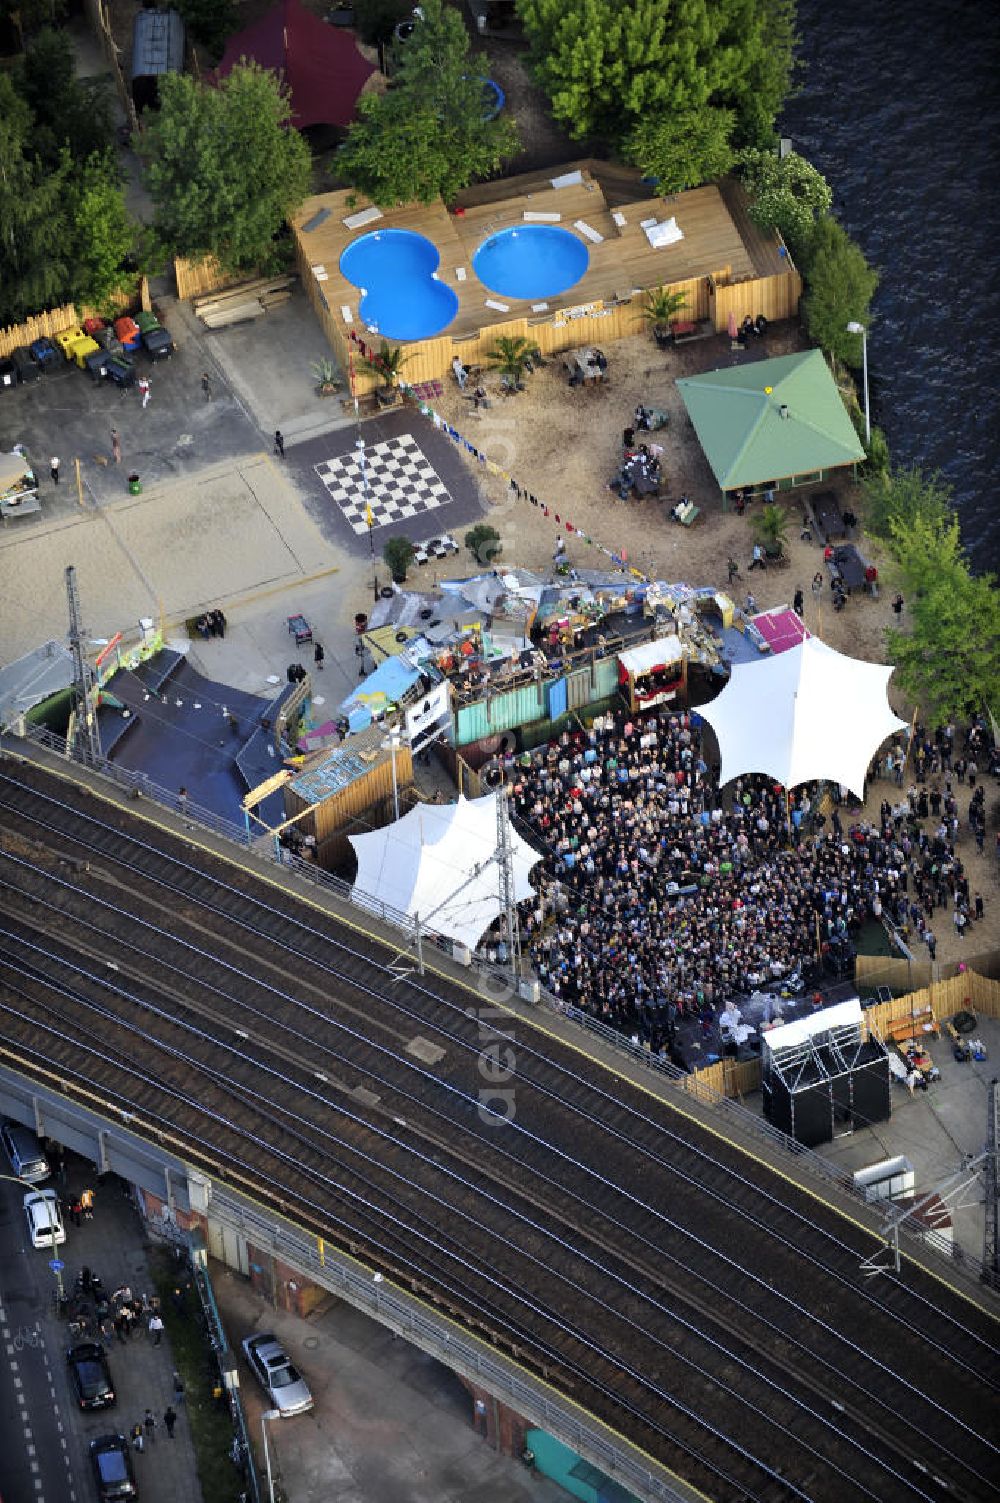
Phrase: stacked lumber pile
(238, 304)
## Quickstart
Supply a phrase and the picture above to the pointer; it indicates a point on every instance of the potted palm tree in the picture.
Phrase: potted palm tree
(387, 363)
(327, 380)
(770, 528)
(660, 307)
(511, 356)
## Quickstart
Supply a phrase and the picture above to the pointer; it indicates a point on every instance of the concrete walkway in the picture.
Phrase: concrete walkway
(390, 1425)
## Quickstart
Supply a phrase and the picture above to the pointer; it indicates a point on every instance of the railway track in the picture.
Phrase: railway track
(703, 1306)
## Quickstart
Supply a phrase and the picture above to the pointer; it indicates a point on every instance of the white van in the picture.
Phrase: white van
(25, 1153)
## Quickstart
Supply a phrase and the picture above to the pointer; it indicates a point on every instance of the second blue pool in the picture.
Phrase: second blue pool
(531, 261)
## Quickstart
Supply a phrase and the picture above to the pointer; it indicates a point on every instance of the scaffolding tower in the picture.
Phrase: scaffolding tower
(85, 736)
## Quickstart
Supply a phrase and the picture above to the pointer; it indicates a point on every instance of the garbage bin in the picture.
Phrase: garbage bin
(134, 485)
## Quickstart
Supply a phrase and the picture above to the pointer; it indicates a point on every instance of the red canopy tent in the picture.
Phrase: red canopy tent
(321, 64)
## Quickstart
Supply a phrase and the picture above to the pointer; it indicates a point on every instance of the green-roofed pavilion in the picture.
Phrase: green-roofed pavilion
(774, 423)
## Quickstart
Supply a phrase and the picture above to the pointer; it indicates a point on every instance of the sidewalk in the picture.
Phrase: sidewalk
(390, 1424)
(113, 1245)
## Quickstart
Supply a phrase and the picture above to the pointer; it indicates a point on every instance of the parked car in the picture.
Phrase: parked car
(112, 1464)
(91, 1376)
(27, 368)
(25, 1153)
(284, 1385)
(44, 1218)
(8, 373)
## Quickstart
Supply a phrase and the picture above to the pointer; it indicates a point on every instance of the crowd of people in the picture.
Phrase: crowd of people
(663, 896)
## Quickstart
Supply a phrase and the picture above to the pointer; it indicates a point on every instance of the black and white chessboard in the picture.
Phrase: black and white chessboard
(401, 483)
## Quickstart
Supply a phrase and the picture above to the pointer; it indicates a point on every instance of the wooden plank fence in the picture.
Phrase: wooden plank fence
(55, 320)
(196, 278)
(981, 995)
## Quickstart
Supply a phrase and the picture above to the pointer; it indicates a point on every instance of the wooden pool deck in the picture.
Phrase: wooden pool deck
(721, 262)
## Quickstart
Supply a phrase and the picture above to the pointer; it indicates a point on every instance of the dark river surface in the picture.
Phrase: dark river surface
(899, 108)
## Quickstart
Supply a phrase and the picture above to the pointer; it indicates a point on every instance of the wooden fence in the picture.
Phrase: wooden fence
(56, 320)
(196, 278)
(902, 975)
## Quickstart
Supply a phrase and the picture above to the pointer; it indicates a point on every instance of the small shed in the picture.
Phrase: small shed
(349, 791)
(157, 48)
(774, 423)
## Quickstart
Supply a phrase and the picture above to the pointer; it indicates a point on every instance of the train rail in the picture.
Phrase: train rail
(705, 1307)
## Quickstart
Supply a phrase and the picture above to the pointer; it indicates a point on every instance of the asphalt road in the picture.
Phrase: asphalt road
(42, 1452)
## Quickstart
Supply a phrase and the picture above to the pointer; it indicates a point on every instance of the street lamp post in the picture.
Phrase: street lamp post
(390, 745)
(268, 1414)
(362, 462)
(855, 328)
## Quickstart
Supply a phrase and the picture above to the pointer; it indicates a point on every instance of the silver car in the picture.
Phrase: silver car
(44, 1218)
(288, 1390)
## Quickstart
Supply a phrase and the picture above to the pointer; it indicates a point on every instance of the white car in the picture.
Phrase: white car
(45, 1223)
(287, 1389)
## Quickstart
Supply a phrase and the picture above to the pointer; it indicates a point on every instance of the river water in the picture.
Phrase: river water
(899, 108)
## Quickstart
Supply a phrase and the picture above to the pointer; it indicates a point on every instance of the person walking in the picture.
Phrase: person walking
(897, 606)
(149, 1425)
(54, 469)
(798, 602)
(178, 1388)
(206, 385)
(169, 1421)
(144, 385)
(279, 443)
(734, 569)
(817, 585)
(318, 655)
(137, 1439)
(758, 561)
(75, 1210)
(116, 446)
(156, 1327)
(87, 1205)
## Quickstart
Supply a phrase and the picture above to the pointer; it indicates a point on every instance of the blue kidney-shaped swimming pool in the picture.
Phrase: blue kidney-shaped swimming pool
(395, 271)
(531, 261)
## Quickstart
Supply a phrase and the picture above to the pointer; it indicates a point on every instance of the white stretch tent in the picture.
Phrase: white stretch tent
(436, 864)
(808, 713)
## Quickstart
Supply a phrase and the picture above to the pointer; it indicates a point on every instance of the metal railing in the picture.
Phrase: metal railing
(746, 1124)
(535, 1402)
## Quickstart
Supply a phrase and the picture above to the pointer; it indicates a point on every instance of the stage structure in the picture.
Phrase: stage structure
(821, 1078)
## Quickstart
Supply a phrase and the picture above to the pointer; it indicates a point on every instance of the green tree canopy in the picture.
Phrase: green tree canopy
(897, 498)
(210, 22)
(34, 221)
(224, 166)
(612, 66)
(429, 134)
(839, 288)
(105, 237)
(69, 112)
(787, 194)
(682, 149)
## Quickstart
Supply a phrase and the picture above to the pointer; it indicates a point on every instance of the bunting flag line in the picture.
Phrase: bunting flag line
(619, 558)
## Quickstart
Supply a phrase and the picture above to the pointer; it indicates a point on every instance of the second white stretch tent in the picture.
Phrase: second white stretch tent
(438, 863)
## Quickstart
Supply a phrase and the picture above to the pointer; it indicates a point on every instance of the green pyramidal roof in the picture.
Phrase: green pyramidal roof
(740, 426)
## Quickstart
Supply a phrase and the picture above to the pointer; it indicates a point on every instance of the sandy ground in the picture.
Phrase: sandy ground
(563, 443)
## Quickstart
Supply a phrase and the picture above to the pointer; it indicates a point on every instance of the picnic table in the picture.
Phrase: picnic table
(847, 565)
(829, 520)
(585, 365)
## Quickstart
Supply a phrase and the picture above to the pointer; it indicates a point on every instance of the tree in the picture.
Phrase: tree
(210, 22)
(839, 288)
(34, 224)
(770, 528)
(399, 554)
(609, 65)
(896, 499)
(511, 356)
(786, 194)
(949, 661)
(679, 150)
(69, 112)
(224, 167)
(430, 134)
(387, 362)
(105, 236)
(660, 306)
(30, 16)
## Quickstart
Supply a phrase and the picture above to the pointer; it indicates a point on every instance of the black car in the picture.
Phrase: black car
(91, 1376)
(112, 1464)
